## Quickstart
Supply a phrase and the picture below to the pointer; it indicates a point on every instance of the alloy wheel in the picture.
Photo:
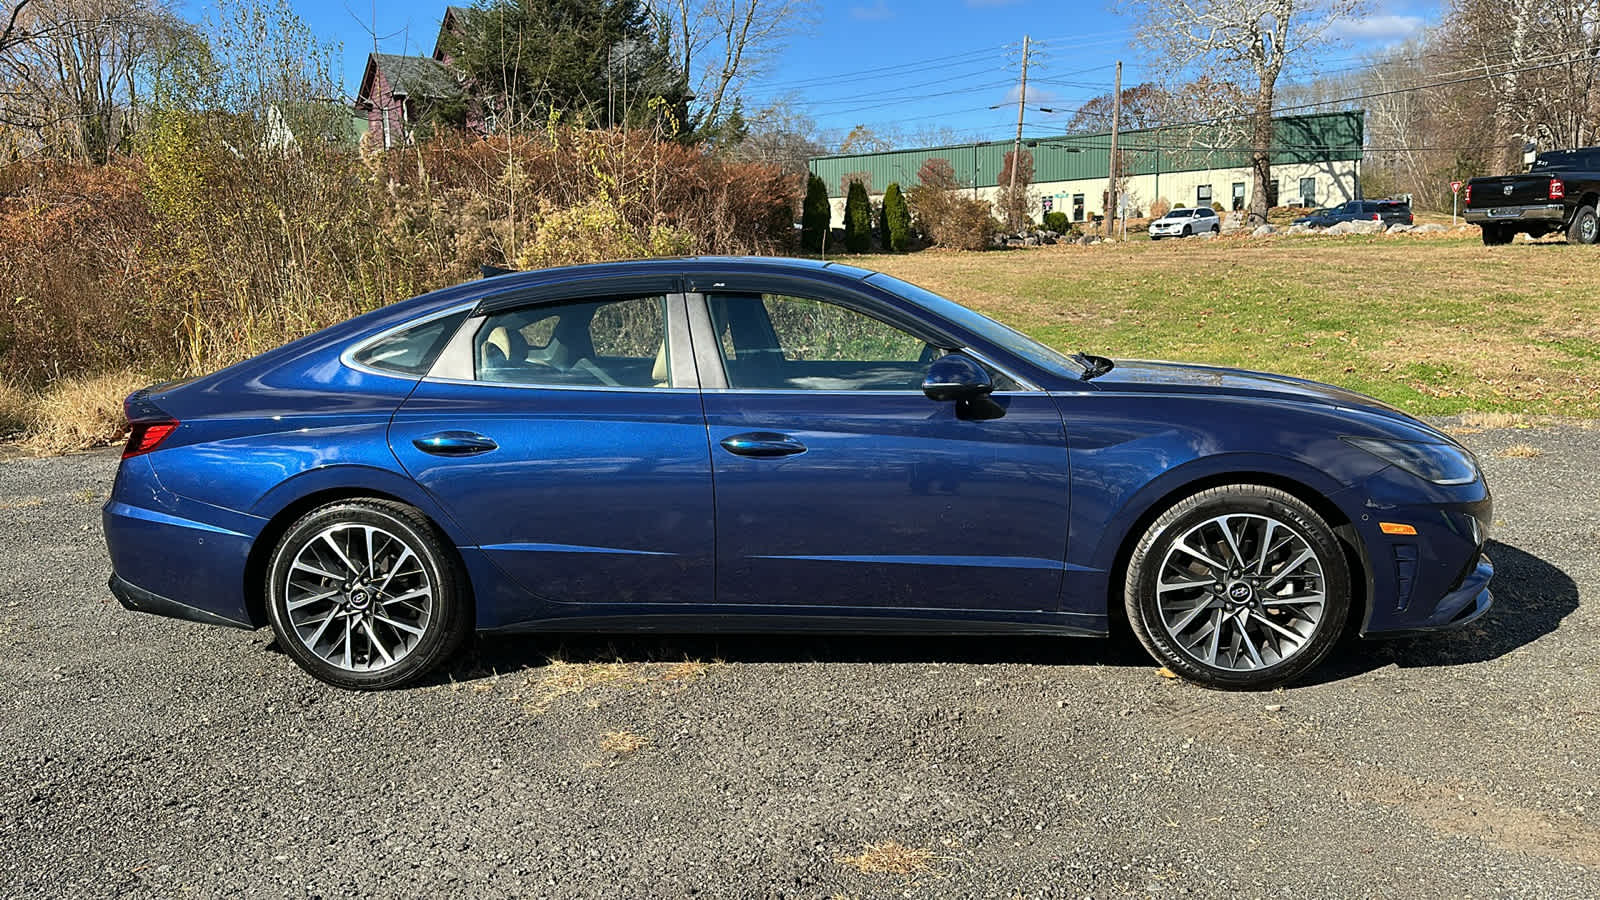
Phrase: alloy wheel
(358, 597)
(1241, 592)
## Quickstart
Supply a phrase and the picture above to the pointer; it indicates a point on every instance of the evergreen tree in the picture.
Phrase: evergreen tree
(593, 62)
(857, 219)
(896, 220)
(815, 214)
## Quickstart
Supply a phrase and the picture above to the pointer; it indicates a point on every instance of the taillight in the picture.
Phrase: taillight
(1377, 217)
(147, 436)
(1468, 200)
(1557, 189)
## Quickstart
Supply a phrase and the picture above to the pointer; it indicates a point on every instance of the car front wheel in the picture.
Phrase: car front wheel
(366, 595)
(1238, 587)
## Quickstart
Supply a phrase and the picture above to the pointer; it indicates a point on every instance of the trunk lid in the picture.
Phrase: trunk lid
(1510, 190)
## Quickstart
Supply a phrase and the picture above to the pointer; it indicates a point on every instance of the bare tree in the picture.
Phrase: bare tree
(1542, 62)
(721, 44)
(1249, 43)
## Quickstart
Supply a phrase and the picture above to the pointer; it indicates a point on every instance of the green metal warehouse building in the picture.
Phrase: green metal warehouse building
(1316, 161)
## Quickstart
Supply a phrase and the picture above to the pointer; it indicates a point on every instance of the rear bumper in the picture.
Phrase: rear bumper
(138, 599)
(1541, 212)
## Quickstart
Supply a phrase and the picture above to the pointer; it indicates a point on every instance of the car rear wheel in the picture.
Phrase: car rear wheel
(1238, 587)
(1584, 229)
(366, 595)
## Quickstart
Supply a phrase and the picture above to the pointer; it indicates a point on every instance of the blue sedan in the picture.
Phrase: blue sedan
(752, 445)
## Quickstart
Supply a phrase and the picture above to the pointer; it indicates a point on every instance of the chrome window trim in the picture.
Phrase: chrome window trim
(347, 357)
(440, 379)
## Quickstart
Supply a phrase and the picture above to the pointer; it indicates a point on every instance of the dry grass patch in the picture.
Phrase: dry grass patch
(1520, 451)
(79, 413)
(559, 679)
(622, 743)
(1496, 420)
(29, 502)
(890, 858)
(16, 408)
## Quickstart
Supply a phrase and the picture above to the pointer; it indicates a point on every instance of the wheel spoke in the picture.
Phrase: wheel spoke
(1184, 546)
(1181, 585)
(409, 629)
(327, 538)
(1286, 571)
(321, 629)
(372, 637)
(1296, 638)
(1233, 545)
(1249, 645)
(1216, 638)
(1183, 623)
(395, 569)
(1266, 547)
(1304, 600)
(293, 605)
(304, 566)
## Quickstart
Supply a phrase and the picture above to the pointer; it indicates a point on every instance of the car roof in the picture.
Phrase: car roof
(677, 265)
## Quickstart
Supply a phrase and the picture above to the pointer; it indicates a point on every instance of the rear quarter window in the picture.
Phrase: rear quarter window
(410, 351)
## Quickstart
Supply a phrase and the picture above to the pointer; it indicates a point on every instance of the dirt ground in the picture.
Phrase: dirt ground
(149, 757)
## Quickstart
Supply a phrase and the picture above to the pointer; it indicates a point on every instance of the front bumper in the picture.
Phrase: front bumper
(1435, 579)
(1541, 212)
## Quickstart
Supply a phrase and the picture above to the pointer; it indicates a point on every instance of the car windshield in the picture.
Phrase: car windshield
(1007, 338)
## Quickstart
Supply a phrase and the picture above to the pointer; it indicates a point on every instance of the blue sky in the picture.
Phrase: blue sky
(938, 64)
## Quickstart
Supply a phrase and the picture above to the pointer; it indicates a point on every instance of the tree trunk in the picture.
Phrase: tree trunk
(1261, 159)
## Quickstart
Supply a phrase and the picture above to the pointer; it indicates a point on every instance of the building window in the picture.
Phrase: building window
(1238, 195)
(1077, 207)
(1202, 195)
(1308, 192)
(1272, 192)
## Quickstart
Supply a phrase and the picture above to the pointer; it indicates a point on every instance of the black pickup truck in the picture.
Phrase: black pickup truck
(1558, 193)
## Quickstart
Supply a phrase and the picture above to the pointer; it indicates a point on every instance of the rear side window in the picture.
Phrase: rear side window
(595, 343)
(410, 351)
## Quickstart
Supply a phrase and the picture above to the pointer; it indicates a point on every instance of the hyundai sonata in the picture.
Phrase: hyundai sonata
(753, 445)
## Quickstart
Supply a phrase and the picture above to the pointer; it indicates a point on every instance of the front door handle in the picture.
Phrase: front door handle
(762, 444)
(454, 443)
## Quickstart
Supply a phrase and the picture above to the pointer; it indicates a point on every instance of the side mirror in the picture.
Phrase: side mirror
(956, 378)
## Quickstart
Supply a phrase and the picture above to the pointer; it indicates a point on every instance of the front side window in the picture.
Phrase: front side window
(596, 343)
(775, 342)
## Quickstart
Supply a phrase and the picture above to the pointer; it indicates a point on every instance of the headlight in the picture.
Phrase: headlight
(1438, 463)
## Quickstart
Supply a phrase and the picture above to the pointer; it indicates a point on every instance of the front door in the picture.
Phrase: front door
(839, 484)
(569, 444)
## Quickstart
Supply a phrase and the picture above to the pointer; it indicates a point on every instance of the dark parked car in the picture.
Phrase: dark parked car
(1389, 212)
(1557, 194)
(746, 445)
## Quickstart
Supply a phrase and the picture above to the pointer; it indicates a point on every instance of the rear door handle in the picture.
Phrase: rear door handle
(454, 443)
(762, 444)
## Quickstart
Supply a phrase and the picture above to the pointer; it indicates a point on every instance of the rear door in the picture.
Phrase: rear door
(840, 484)
(566, 437)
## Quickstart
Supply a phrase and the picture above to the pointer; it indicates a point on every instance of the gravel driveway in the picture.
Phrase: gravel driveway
(144, 756)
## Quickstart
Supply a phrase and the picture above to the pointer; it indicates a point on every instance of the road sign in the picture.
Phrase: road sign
(1455, 187)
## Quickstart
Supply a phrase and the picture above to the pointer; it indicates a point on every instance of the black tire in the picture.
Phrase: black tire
(449, 611)
(1497, 235)
(1584, 228)
(1186, 231)
(1216, 229)
(1196, 515)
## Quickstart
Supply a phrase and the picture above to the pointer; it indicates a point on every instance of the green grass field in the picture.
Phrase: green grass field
(1435, 326)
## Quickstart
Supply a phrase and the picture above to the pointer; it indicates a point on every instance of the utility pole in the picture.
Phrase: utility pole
(1116, 120)
(1016, 147)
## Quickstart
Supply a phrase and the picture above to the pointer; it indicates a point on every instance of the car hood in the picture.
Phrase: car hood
(1152, 376)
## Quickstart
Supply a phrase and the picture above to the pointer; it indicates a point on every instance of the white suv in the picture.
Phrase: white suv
(1184, 222)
